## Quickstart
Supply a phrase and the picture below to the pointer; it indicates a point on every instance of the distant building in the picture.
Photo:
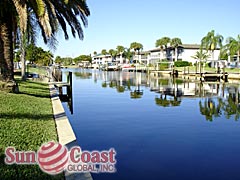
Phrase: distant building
(185, 53)
(101, 59)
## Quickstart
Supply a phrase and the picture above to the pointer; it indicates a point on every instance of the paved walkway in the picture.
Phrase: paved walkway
(65, 132)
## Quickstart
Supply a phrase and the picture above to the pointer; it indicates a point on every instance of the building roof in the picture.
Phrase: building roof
(191, 46)
(101, 55)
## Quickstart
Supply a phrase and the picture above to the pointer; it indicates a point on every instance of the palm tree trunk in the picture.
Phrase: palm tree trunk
(6, 53)
(6, 49)
(213, 58)
(23, 55)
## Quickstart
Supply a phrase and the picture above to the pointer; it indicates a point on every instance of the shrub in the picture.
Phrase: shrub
(182, 63)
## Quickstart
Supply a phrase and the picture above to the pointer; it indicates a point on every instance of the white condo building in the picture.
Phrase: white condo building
(185, 53)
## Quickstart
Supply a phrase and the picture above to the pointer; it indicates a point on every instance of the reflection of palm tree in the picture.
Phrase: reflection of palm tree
(112, 84)
(137, 93)
(129, 84)
(209, 109)
(120, 89)
(175, 102)
(231, 106)
(162, 101)
(104, 84)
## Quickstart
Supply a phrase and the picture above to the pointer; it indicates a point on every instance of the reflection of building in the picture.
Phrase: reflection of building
(184, 89)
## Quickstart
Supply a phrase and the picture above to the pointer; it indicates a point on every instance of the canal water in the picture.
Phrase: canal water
(161, 128)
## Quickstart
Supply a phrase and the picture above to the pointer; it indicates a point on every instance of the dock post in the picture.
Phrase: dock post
(69, 88)
(69, 92)
(60, 91)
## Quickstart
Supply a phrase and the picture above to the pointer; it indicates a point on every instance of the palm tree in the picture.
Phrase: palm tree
(162, 44)
(233, 46)
(211, 41)
(27, 37)
(95, 53)
(136, 47)
(104, 51)
(49, 16)
(201, 56)
(113, 54)
(128, 54)
(175, 42)
(120, 50)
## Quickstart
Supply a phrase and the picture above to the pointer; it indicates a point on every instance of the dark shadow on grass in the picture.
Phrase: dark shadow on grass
(31, 82)
(26, 116)
(35, 87)
(35, 95)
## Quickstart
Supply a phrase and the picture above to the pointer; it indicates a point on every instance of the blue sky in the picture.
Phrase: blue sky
(120, 22)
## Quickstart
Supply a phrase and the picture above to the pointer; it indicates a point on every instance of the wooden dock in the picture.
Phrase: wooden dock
(206, 76)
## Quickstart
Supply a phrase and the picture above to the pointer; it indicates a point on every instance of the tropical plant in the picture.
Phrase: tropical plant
(175, 42)
(128, 54)
(27, 37)
(136, 47)
(82, 58)
(233, 46)
(95, 53)
(49, 16)
(104, 51)
(120, 50)
(38, 56)
(201, 56)
(58, 60)
(211, 41)
(162, 44)
(113, 54)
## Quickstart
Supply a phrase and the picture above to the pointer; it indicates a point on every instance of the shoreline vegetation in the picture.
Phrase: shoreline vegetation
(26, 122)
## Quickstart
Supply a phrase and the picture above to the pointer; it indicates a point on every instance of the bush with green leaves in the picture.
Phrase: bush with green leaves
(182, 63)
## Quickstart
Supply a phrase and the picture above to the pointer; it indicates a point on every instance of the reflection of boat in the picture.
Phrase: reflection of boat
(128, 67)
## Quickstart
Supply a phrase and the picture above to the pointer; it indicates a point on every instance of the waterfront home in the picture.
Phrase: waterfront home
(185, 53)
(102, 59)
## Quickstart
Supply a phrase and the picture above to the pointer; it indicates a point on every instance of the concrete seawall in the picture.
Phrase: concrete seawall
(66, 135)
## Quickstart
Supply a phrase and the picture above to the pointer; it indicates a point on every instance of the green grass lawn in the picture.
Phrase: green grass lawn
(39, 70)
(26, 122)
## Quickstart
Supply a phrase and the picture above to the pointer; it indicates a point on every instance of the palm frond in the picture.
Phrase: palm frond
(21, 9)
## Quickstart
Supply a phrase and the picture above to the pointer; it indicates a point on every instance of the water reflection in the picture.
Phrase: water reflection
(227, 105)
(215, 99)
(83, 75)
